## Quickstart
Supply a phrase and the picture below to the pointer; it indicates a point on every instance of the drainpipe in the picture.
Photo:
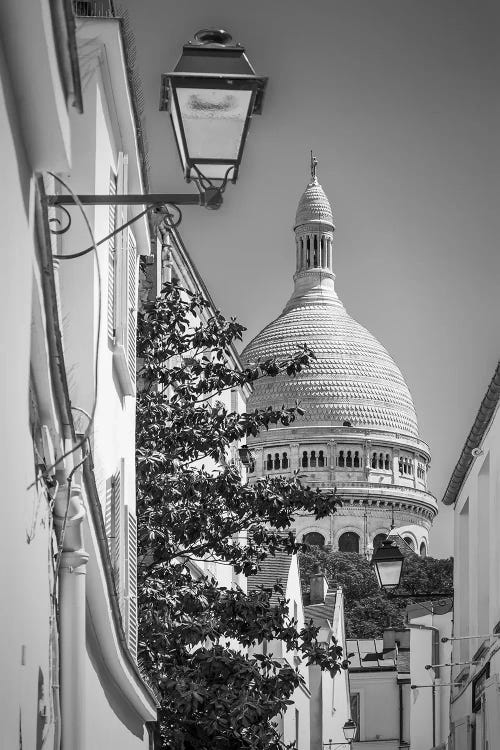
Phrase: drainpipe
(68, 519)
(400, 713)
(433, 716)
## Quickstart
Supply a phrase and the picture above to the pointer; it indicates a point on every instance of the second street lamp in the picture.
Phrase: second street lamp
(387, 562)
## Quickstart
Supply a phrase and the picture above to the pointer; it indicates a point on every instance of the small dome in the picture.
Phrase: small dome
(314, 205)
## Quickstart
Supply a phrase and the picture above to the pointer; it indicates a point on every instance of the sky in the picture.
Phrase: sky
(400, 101)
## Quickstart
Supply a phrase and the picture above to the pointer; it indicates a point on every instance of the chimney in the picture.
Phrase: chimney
(319, 586)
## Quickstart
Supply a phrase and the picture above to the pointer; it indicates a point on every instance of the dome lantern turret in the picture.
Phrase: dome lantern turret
(314, 227)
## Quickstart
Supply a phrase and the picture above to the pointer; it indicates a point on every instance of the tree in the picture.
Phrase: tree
(368, 609)
(212, 693)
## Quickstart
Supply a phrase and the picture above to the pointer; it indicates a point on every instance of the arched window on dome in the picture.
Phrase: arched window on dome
(409, 541)
(312, 462)
(380, 460)
(349, 542)
(374, 460)
(314, 539)
(356, 460)
(277, 462)
(400, 465)
(341, 460)
(284, 462)
(269, 462)
(387, 463)
(321, 459)
(305, 462)
(348, 461)
(377, 541)
(423, 550)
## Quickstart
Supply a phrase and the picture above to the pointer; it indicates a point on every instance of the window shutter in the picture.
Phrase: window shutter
(131, 304)
(121, 532)
(111, 261)
(117, 532)
(131, 573)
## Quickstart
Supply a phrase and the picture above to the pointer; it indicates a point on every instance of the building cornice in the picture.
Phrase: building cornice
(478, 430)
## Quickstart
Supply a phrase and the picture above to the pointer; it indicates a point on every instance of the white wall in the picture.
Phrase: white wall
(477, 594)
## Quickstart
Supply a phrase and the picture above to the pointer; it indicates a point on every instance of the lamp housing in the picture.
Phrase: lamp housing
(211, 97)
(350, 728)
(387, 562)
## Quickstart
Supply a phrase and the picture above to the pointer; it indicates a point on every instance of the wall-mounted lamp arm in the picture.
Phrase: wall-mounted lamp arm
(211, 197)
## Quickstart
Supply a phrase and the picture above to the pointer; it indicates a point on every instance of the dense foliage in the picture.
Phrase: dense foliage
(191, 505)
(368, 609)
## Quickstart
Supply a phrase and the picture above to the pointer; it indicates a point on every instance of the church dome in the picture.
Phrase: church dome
(353, 381)
(353, 378)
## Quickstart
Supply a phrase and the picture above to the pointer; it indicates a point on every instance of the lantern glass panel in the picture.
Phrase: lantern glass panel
(388, 573)
(213, 122)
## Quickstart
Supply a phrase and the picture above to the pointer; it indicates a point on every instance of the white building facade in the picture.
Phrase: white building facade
(359, 429)
(474, 492)
(70, 674)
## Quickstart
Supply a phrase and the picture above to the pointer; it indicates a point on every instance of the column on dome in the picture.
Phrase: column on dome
(314, 248)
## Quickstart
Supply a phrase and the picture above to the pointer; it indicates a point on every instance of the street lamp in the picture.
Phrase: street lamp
(387, 563)
(350, 728)
(211, 96)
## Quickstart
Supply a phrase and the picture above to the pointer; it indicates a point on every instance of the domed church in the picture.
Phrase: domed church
(359, 430)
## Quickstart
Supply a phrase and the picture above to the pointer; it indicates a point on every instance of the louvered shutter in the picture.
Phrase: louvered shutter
(131, 305)
(112, 262)
(108, 514)
(117, 532)
(131, 573)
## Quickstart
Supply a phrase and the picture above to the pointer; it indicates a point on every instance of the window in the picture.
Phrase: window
(349, 542)
(348, 461)
(305, 462)
(377, 541)
(284, 462)
(314, 539)
(423, 550)
(387, 463)
(374, 460)
(321, 459)
(356, 712)
(381, 461)
(341, 460)
(313, 459)
(409, 541)
(269, 462)
(277, 462)
(356, 459)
